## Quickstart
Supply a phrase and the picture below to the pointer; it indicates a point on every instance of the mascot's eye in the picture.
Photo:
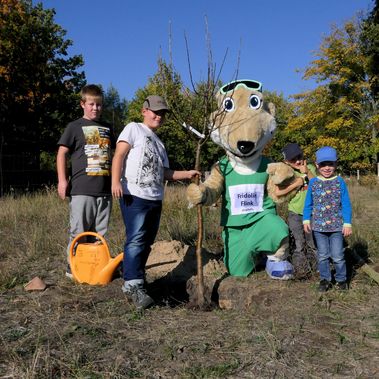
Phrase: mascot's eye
(228, 104)
(255, 102)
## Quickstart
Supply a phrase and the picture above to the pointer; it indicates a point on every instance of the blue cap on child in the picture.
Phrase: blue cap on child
(326, 154)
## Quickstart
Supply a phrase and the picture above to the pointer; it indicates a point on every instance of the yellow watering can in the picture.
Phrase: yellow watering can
(92, 263)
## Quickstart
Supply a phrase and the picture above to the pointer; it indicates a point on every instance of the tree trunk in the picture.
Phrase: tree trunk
(200, 301)
(1, 165)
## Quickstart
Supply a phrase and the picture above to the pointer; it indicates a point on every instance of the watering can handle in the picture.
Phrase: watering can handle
(84, 234)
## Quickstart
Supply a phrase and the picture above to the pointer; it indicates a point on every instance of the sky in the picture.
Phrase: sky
(269, 41)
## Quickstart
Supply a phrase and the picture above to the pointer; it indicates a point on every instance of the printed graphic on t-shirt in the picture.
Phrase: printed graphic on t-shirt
(150, 170)
(97, 150)
(246, 198)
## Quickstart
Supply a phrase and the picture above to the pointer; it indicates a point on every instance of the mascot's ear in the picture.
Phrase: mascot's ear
(271, 109)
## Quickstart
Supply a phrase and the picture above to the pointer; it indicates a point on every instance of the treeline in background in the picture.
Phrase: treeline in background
(40, 85)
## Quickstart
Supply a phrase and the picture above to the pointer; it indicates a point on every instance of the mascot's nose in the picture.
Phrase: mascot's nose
(245, 147)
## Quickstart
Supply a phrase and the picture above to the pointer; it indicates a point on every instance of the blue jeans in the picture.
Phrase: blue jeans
(330, 245)
(141, 218)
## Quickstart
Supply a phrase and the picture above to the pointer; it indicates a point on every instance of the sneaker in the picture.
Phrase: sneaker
(324, 285)
(138, 296)
(342, 286)
(69, 273)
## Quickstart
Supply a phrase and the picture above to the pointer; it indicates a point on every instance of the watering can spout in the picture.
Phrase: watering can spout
(91, 262)
(107, 272)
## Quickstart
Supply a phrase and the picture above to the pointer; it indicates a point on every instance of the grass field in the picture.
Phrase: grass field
(80, 331)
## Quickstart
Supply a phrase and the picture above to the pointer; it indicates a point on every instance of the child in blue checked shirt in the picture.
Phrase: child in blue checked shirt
(327, 212)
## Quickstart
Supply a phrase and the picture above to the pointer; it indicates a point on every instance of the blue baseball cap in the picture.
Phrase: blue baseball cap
(326, 154)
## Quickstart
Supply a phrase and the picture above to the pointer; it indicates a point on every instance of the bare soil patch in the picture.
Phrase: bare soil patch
(258, 328)
(284, 330)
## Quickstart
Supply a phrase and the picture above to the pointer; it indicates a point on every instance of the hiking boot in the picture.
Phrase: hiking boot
(342, 286)
(324, 285)
(138, 296)
(69, 273)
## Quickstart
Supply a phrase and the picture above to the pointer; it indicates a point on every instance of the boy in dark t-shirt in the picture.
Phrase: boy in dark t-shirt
(88, 143)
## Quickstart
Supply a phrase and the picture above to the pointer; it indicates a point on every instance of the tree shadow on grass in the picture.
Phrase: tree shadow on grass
(356, 255)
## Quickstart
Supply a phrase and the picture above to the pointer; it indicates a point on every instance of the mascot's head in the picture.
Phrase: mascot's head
(243, 123)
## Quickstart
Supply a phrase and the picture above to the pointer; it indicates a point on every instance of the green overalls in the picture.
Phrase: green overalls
(248, 215)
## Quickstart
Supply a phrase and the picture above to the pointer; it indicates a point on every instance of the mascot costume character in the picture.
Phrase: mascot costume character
(243, 125)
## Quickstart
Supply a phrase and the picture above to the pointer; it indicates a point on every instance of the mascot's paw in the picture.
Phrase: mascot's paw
(195, 194)
(280, 175)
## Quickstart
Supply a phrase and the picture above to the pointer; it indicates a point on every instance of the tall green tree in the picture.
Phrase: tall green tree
(185, 104)
(191, 107)
(370, 48)
(115, 109)
(39, 84)
(340, 111)
(283, 112)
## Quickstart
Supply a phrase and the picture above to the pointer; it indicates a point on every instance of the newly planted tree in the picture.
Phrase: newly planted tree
(195, 109)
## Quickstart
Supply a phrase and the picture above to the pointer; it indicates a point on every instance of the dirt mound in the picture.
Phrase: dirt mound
(172, 264)
(179, 261)
(268, 329)
(172, 273)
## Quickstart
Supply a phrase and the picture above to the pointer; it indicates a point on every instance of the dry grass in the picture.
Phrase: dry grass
(77, 331)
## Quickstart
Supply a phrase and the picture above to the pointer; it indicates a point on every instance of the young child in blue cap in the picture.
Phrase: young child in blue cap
(327, 212)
